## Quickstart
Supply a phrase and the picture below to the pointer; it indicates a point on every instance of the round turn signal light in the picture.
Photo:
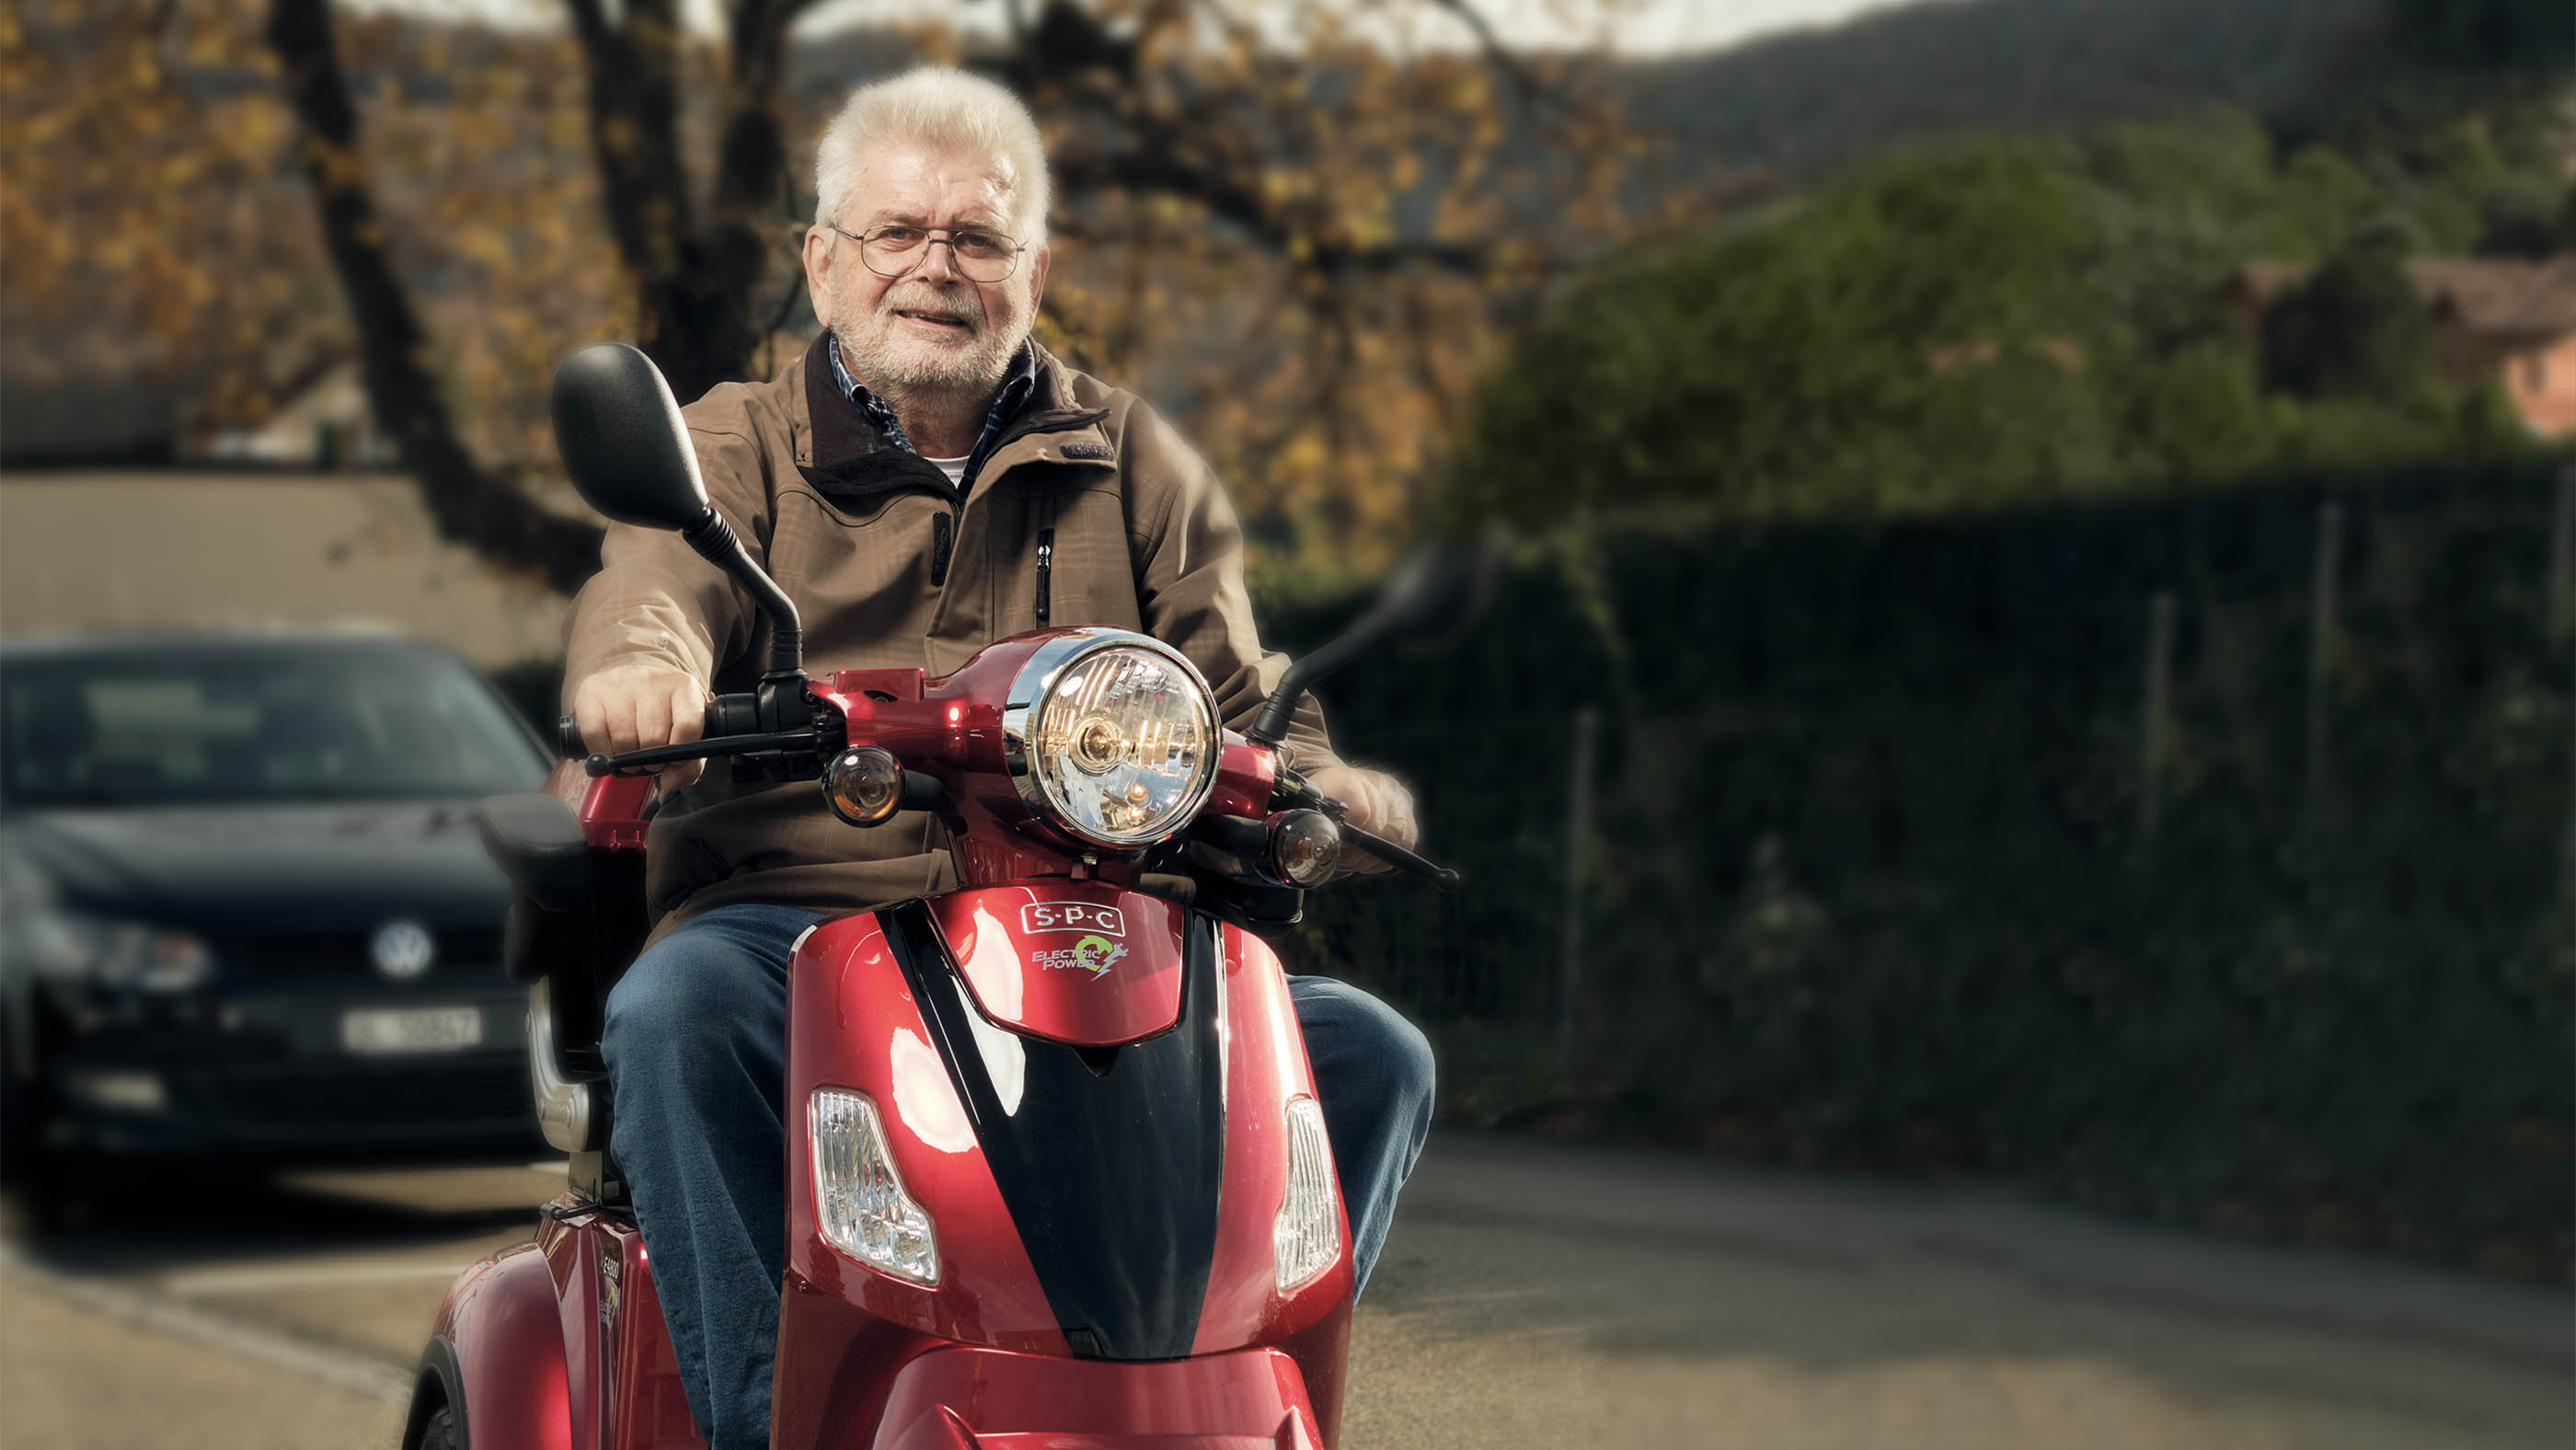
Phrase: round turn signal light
(864, 785)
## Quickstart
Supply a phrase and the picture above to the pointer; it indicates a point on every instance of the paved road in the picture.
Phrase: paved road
(1533, 1295)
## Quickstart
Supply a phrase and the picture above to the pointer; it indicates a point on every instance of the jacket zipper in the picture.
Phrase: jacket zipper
(1046, 560)
(943, 537)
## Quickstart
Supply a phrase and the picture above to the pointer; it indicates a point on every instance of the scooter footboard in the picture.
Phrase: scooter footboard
(996, 1399)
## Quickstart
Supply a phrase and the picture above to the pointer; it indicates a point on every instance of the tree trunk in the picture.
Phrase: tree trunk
(469, 504)
(697, 286)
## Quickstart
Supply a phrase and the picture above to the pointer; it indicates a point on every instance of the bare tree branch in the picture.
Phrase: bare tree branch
(1535, 93)
(469, 505)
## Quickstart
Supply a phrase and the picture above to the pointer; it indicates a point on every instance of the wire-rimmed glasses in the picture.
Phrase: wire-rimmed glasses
(979, 255)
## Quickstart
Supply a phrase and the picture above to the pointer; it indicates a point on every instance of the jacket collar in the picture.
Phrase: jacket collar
(852, 457)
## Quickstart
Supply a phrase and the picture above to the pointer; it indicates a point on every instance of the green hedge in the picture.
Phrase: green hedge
(1874, 887)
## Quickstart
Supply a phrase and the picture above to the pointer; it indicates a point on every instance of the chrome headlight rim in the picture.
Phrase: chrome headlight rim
(1028, 693)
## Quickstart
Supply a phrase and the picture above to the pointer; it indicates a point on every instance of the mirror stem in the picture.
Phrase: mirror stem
(714, 540)
(1271, 726)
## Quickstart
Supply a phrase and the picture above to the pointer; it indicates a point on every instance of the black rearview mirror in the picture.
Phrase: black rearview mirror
(619, 431)
(1431, 597)
(1436, 592)
(622, 440)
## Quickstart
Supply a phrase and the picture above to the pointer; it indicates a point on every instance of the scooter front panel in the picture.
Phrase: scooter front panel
(852, 1022)
(1109, 1158)
(1070, 961)
(1265, 1067)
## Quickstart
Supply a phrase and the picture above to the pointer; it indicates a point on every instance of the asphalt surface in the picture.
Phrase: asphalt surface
(1534, 1294)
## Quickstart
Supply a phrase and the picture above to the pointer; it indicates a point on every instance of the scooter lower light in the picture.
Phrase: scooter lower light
(1308, 1232)
(859, 1199)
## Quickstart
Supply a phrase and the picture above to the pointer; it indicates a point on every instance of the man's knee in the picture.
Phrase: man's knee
(1377, 1040)
(680, 1001)
(1415, 1070)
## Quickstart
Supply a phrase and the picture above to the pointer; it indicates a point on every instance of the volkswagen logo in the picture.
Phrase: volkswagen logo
(402, 949)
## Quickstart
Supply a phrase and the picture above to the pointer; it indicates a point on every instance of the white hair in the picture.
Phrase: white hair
(946, 109)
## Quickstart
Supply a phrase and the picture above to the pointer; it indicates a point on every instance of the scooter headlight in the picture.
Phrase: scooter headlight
(860, 1200)
(1112, 736)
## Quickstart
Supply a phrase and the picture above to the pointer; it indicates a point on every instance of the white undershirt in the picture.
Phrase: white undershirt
(955, 468)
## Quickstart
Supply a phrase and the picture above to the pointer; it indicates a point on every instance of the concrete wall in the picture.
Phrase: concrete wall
(103, 550)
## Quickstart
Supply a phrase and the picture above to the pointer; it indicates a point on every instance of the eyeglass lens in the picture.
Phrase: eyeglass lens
(982, 256)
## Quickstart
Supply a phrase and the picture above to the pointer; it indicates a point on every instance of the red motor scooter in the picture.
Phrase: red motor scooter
(1056, 1175)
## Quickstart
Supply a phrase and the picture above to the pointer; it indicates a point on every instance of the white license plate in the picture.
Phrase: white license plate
(411, 1029)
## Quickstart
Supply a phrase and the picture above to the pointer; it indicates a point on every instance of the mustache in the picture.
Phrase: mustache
(962, 303)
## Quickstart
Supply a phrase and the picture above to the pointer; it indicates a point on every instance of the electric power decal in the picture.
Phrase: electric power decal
(1093, 954)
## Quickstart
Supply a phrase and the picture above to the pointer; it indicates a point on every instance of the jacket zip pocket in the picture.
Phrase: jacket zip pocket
(943, 537)
(1046, 561)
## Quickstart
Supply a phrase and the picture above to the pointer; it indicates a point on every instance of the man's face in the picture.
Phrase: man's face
(930, 328)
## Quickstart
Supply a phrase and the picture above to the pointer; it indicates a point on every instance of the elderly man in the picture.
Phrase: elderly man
(924, 480)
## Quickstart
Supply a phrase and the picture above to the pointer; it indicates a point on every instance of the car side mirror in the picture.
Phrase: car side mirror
(619, 431)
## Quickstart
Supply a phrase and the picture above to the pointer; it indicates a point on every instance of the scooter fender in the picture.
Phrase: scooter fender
(496, 1356)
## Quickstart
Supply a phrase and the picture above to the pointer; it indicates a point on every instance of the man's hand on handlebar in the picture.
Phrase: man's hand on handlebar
(635, 707)
(1375, 802)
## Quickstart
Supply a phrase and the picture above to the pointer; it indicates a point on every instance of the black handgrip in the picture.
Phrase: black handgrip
(726, 715)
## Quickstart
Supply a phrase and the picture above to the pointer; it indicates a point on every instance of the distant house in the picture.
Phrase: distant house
(2502, 318)
(323, 423)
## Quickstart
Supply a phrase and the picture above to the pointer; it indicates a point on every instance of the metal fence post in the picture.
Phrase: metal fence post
(2157, 702)
(2321, 639)
(1578, 833)
(2562, 553)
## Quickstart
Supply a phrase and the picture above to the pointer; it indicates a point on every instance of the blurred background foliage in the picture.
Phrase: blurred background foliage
(2009, 321)
(2083, 687)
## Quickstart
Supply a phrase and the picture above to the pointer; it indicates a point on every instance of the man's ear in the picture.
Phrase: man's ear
(818, 271)
(1037, 276)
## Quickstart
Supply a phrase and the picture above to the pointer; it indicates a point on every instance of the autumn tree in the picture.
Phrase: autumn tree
(1303, 250)
(1297, 238)
(138, 209)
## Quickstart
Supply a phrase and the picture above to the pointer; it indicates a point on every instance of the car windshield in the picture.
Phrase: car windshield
(323, 722)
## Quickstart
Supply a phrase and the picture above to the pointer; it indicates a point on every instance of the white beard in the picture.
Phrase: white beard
(891, 355)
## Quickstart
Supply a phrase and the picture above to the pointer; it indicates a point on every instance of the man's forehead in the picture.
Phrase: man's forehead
(907, 181)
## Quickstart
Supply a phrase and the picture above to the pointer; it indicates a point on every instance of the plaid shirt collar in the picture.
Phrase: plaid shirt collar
(1017, 386)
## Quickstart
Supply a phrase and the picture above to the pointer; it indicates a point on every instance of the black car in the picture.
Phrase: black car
(244, 911)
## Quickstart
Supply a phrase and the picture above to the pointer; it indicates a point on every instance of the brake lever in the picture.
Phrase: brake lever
(1397, 856)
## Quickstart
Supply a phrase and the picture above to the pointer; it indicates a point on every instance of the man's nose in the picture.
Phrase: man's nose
(938, 260)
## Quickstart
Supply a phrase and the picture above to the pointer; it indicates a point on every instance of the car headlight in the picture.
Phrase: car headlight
(72, 946)
(1112, 736)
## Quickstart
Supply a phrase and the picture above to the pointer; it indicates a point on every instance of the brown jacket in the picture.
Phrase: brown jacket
(890, 570)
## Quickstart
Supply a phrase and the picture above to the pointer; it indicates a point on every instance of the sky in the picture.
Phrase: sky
(1637, 27)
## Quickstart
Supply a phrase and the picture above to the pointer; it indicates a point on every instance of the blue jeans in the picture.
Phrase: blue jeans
(696, 1043)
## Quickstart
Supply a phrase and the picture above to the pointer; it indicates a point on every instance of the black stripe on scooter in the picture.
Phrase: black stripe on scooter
(1111, 1163)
